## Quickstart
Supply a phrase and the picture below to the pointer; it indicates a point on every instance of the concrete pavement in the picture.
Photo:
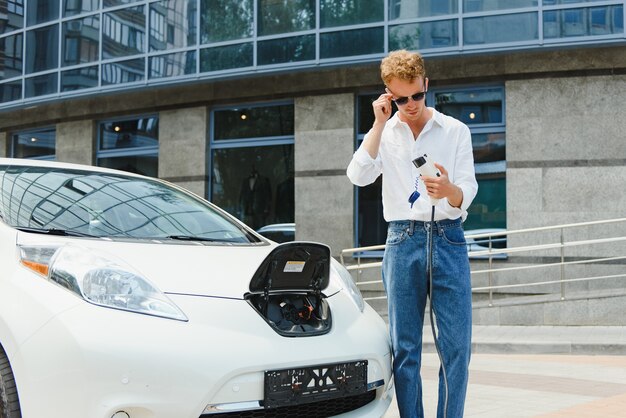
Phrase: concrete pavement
(543, 372)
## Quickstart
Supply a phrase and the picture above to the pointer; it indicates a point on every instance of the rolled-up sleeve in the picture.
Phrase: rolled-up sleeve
(363, 169)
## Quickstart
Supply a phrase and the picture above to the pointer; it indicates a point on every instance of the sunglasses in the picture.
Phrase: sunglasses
(401, 101)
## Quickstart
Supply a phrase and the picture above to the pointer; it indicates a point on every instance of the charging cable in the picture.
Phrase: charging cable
(431, 308)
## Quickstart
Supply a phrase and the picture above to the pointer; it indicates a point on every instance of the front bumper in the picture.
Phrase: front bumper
(92, 362)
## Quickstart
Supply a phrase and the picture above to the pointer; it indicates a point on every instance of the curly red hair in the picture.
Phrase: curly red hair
(403, 65)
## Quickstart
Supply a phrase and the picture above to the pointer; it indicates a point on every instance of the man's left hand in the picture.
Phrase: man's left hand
(441, 187)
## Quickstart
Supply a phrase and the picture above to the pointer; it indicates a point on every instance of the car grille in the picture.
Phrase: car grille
(320, 409)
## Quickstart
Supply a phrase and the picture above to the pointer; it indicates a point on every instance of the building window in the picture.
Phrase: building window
(10, 91)
(225, 20)
(275, 17)
(252, 162)
(76, 7)
(42, 45)
(39, 11)
(343, 13)
(130, 145)
(37, 144)
(407, 9)
(81, 40)
(370, 227)
(13, 18)
(123, 32)
(482, 110)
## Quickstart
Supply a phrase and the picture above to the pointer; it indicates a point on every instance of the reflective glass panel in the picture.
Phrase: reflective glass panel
(350, 12)
(282, 16)
(13, 17)
(171, 24)
(172, 65)
(418, 36)
(224, 20)
(254, 122)
(79, 78)
(488, 209)
(147, 165)
(552, 2)
(472, 106)
(33, 144)
(408, 9)
(352, 42)
(255, 184)
(226, 57)
(123, 32)
(41, 85)
(40, 11)
(76, 7)
(489, 147)
(371, 225)
(110, 3)
(498, 29)
(11, 56)
(129, 133)
(365, 115)
(81, 40)
(123, 72)
(487, 5)
(43, 47)
(10, 91)
(583, 22)
(275, 51)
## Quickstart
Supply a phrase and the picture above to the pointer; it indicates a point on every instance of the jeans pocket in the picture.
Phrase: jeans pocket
(396, 235)
(454, 236)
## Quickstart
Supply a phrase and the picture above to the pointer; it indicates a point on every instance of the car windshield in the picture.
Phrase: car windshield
(89, 203)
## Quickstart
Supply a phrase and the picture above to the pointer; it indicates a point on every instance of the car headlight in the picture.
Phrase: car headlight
(100, 280)
(348, 284)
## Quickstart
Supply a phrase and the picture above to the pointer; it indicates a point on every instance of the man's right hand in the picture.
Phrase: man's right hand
(382, 112)
(382, 108)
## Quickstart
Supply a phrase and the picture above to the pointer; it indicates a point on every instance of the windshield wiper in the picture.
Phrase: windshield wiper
(192, 238)
(55, 231)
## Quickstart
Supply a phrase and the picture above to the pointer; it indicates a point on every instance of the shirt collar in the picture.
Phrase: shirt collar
(437, 116)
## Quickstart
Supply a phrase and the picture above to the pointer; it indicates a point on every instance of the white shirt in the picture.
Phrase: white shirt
(445, 140)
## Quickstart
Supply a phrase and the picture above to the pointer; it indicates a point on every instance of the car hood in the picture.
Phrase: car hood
(183, 268)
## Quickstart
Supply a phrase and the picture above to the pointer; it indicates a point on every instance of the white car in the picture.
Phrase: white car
(123, 296)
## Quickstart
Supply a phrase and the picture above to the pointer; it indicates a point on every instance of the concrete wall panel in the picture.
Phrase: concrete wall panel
(324, 143)
(324, 211)
(183, 147)
(4, 144)
(312, 151)
(76, 142)
(578, 118)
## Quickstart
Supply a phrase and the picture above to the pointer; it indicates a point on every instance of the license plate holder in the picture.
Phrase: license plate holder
(301, 385)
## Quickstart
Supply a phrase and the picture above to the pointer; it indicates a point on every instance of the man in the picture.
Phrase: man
(389, 148)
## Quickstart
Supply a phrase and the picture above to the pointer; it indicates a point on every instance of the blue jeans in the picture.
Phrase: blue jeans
(406, 283)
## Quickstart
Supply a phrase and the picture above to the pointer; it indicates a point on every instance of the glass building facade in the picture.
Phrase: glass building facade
(56, 48)
(246, 136)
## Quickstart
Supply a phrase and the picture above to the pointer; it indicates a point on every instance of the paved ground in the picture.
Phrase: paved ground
(544, 372)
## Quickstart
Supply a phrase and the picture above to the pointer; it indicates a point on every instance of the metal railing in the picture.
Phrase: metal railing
(491, 254)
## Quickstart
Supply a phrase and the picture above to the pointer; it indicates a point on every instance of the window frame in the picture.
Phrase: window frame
(49, 157)
(150, 151)
(266, 141)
